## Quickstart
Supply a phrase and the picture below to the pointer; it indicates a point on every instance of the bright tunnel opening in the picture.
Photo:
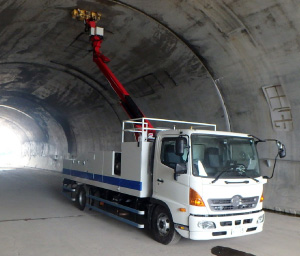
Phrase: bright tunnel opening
(10, 147)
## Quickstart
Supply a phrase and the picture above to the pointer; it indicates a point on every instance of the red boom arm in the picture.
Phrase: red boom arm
(126, 101)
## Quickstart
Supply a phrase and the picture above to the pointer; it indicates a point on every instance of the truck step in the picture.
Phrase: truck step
(132, 223)
(68, 196)
(117, 205)
(69, 189)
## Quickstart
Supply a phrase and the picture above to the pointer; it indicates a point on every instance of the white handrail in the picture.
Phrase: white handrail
(144, 126)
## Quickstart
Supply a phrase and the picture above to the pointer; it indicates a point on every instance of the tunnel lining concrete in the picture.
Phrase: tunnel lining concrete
(251, 45)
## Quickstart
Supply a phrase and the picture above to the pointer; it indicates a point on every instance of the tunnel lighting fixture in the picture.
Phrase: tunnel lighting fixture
(23, 113)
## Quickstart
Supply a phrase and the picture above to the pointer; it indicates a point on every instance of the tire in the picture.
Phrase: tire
(81, 198)
(162, 227)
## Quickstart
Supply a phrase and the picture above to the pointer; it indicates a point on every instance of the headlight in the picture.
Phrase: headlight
(261, 219)
(206, 225)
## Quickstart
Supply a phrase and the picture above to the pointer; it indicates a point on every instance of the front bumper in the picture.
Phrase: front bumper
(225, 226)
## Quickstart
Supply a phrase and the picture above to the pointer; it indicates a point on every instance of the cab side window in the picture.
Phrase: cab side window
(168, 156)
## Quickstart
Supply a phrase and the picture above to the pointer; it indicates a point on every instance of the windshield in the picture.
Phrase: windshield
(236, 157)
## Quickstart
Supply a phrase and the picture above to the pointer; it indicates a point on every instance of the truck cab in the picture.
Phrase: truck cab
(213, 187)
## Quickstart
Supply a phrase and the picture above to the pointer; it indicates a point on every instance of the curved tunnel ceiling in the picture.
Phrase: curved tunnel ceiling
(203, 61)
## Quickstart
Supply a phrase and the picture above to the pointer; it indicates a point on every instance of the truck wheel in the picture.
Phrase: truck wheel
(162, 227)
(81, 198)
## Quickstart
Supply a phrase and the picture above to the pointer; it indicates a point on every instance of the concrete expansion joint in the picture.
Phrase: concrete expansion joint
(44, 218)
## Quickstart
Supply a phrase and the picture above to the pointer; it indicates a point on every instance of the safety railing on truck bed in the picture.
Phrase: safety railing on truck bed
(139, 127)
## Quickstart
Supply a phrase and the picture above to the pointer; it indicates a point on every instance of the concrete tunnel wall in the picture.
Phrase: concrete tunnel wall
(203, 61)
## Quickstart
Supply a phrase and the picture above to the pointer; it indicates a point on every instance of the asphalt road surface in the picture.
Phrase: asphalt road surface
(36, 219)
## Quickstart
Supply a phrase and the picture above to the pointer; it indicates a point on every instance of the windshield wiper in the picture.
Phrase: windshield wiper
(242, 171)
(220, 174)
(247, 176)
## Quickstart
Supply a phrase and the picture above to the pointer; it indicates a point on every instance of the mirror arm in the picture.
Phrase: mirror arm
(175, 175)
(266, 177)
(281, 152)
(258, 139)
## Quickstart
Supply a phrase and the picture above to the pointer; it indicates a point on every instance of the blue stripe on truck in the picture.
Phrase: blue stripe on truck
(84, 175)
(131, 184)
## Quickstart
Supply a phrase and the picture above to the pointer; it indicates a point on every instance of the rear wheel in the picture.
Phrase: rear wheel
(162, 227)
(81, 198)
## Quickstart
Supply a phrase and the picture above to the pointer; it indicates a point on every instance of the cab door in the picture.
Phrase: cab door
(175, 193)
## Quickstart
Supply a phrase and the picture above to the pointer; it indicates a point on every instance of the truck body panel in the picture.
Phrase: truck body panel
(135, 162)
(99, 169)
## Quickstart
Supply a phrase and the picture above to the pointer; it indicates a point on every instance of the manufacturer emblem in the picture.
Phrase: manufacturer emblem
(236, 201)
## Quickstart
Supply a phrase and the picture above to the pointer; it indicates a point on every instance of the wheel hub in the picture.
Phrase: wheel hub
(163, 224)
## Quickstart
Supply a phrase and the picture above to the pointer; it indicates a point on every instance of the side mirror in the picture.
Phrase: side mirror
(281, 154)
(180, 145)
(281, 149)
(179, 169)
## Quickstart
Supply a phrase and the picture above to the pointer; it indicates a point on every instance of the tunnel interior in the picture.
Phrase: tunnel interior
(231, 62)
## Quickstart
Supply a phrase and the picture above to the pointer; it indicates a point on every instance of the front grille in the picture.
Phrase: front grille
(221, 201)
(234, 203)
(226, 223)
(247, 221)
(223, 233)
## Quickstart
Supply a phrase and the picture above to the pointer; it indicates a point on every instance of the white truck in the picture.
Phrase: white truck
(184, 180)
(190, 182)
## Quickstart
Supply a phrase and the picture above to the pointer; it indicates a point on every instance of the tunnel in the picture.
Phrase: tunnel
(232, 63)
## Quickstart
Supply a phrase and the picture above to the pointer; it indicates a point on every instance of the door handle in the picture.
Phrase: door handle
(160, 180)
